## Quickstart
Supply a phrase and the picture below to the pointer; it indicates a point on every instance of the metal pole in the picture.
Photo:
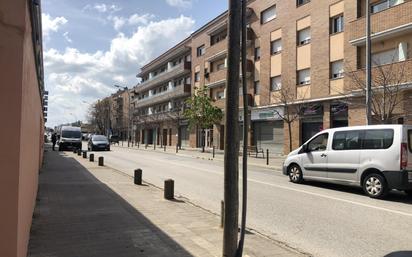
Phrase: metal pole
(368, 65)
(231, 161)
(245, 132)
(267, 156)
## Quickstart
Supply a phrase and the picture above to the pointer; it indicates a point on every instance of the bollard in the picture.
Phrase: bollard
(169, 189)
(85, 154)
(91, 157)
(101, 161)
(222, 213)
(177, 148)
(138, 177)
(74, 150)
(79, 152)
(165, 148)
(145, 146)
(213, 151)
(267, 156)
(122, 142)
(138, 144)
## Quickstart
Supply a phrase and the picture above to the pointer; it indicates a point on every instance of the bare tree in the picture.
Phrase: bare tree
(99, 116)
(388, 82)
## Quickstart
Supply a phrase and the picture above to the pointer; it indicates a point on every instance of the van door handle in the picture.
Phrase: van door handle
(323, 155)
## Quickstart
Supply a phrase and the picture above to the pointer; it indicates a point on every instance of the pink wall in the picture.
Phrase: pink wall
(21, 129)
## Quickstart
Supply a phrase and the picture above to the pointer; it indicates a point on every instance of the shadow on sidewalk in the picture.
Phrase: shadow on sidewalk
(77, 215)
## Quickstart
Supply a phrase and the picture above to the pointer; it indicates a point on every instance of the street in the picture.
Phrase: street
(320, 219)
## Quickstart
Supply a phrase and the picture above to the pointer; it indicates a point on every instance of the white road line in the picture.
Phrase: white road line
(294, 189)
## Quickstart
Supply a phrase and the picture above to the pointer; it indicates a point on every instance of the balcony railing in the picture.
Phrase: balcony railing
(177, 92)
(180, 69)
(394, 18)
(220, 103)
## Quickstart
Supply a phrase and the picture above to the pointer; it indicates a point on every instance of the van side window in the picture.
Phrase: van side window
(319, 143)
(377, 139)
(346, 140)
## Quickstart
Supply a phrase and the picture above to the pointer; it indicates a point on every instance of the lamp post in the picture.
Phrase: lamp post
(128, 113)
(368, 65)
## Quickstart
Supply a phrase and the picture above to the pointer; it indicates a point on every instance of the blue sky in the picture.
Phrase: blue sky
(90, 46)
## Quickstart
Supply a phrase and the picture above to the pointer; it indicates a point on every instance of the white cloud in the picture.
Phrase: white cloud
(103, 8)
(133, 20)
(180, 3)
(50, 24)
(66, 36)
(73, 76)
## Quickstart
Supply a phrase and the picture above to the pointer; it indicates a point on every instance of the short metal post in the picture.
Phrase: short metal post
(213, 151)
(267, 156)
(138, 177)
(122, 142)
(74, 150)
(138, 144)
(79, 152)
(101, 161)
(169, 189)
(85, 154)
(145, 146)
(222, 213)
(164, 148)
(91, 157)
(177, 148)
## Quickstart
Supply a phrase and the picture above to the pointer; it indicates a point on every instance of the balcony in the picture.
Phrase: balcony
(392, 22)
(178, 70)
(177, 92)
(220, 103)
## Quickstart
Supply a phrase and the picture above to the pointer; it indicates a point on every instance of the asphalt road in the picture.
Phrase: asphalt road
(321, 219)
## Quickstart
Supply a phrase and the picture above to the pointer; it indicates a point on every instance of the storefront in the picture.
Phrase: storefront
(338, 115)
(267, 129)
(311, 121)
(183, 134)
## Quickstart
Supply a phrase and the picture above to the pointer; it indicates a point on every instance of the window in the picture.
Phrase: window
(276, 46)
(301, 2)
(257, 53)
(337, 69)
(385, 57)
(347, 140)
(188, 80)
(268, 14)
(275, 83)
(197, 76)
(377, 139)
(385, 4)
(304, 36)
(220, 95)
(256, 88)
(319, 143)
(200, 50)
(304, 77)
(336, 24)
(214, 39)
(220, 66)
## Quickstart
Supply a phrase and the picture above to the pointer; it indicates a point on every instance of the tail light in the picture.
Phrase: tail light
(404, 156)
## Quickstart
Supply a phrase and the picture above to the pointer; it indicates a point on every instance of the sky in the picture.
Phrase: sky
(91, 46)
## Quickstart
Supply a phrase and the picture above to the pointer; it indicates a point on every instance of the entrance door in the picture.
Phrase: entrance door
(164, 136)
(315, 160)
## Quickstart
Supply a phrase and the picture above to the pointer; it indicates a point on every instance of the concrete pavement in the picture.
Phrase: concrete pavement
(322, 219)
(86, 210)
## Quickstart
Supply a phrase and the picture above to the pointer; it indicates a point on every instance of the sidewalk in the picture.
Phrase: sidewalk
(86, 210)
(275, 161)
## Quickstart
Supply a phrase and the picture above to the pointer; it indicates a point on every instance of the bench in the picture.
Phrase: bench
(255, 150)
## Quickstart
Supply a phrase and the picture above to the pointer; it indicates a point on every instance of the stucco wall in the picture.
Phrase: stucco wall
(22, 129)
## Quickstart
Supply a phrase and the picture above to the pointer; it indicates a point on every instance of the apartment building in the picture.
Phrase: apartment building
(159, 99)
(119, 113)
(21, 108)
(312, 51)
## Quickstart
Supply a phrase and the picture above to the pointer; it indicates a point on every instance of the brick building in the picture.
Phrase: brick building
(316, 50)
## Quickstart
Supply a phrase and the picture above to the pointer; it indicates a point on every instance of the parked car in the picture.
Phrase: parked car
(70, 137)
(114, 139)
(377, 158)
(98, 142)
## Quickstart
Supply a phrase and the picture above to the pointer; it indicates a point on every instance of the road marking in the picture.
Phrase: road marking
(288, 188)
(333, 198)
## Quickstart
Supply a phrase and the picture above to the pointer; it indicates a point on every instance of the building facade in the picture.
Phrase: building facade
(21, 102)
(120, 120)
(308, 55)
(159, 100)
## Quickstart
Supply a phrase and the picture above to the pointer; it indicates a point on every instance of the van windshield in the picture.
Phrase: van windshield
(410, 140)
(71, 134)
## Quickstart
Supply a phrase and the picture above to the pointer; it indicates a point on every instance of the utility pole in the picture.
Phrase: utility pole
(245, 132)
(368, 65)
(231, 161)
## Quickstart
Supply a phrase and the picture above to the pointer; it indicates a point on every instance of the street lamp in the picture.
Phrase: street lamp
(128, 113)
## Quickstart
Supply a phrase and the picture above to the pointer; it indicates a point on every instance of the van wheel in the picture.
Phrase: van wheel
(295, 174)
(409, 193)
(375, 186)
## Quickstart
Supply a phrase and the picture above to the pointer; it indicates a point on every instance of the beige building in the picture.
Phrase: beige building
(21, 109)
(313, 52)
(120, 121)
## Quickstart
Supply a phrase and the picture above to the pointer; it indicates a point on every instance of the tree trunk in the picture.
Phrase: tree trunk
(203, 140)
(290, 136)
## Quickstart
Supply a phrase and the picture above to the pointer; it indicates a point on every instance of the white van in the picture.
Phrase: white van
(70, 137)
(378, 158)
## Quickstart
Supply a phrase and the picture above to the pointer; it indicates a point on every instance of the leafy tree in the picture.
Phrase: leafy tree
(201, 112)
